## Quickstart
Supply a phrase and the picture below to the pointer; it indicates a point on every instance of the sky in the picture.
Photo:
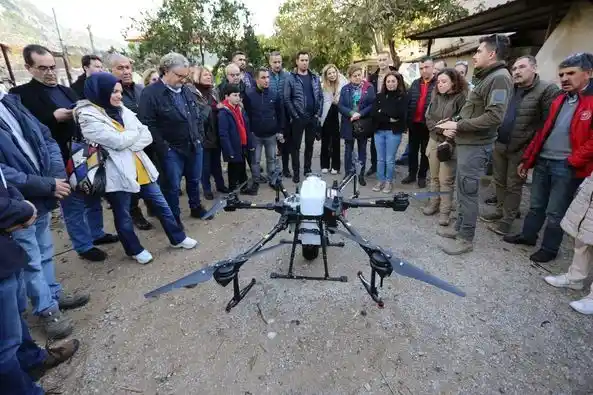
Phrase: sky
(109, 17)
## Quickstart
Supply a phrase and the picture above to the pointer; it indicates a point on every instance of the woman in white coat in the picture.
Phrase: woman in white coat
(332, 84)
(104, 120)
(578, 223)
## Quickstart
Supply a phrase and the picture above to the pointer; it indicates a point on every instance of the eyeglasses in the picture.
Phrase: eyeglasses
(46, 69)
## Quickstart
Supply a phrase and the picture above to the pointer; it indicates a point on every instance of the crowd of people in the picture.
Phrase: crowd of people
(180, 125)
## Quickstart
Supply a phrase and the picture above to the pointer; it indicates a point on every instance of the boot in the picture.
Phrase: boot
(54, 357)
(444, 219)
(361, 179)
(445, 210)
(432, 207)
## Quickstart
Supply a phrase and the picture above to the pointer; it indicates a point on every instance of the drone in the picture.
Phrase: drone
(311, 215)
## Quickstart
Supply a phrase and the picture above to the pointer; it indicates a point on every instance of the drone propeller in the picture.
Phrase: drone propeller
(222, 202)
(415, 195)
(402, 267)
(206, 273)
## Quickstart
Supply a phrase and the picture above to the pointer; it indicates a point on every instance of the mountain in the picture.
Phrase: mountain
(22, 23)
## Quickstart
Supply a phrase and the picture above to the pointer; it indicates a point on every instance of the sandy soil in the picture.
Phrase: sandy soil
(511, 334)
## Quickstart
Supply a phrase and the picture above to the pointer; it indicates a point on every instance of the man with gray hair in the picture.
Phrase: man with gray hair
(527, 111)
(169, 109)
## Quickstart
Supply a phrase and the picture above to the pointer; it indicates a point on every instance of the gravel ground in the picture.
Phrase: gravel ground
(511, 334)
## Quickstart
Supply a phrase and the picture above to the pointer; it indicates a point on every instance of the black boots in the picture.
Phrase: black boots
(361, 179)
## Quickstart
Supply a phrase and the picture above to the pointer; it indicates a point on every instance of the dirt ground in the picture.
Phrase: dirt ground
(512, 333)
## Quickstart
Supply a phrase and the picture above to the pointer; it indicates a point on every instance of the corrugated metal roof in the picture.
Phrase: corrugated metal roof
(512, 16)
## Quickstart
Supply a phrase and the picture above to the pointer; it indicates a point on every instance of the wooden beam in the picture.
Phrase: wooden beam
(429, 47)
(7, 62)
(552, 21)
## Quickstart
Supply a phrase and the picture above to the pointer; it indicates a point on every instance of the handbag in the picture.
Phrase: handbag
(86, 168)
(363, 128)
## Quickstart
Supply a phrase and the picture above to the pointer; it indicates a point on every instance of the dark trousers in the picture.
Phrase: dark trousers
(212, 166)
(373, 155)
(552, 190)
(330, 147)
(418, 141)
(238, 171)
(284, 149)
(298, 127)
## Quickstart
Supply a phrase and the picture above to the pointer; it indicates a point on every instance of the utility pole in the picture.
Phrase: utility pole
(64, 52)
(91, 38)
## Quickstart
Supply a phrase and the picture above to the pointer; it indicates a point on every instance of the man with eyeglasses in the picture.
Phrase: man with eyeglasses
(169, 109)
(52, 103)
(474, 131)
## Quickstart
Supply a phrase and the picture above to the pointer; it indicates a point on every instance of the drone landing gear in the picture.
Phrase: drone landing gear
(381, 267)
(238, 293)
(324, 245)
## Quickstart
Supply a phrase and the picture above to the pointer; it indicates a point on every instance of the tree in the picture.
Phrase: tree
(382, 22)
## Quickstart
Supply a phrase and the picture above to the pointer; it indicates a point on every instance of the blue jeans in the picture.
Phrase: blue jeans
(552, 190)
(40, 276)
(386, 144)
(269, 145)
(212, 166)
(18, 351)
(178, 165)
(361, 145)
(83, 216)
(151, 193)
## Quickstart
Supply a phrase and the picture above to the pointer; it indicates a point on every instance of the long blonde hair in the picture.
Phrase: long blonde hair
(327, 84)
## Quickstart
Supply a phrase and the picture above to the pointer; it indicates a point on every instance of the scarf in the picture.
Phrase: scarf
(98, 89)
(238, 116)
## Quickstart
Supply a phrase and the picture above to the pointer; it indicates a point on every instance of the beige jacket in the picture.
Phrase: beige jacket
(578, 220)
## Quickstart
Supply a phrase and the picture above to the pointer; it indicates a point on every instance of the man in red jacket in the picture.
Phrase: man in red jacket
(562, 155)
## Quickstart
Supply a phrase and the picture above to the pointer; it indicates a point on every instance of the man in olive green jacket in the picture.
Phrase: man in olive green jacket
(527, 112)
(474, 134)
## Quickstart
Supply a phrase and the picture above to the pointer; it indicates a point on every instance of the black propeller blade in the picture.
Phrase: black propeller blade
(415, 195)
(402, 267)
(222, 202)
(206, 273)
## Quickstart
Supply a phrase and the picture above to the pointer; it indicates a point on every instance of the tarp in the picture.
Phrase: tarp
(573, 34)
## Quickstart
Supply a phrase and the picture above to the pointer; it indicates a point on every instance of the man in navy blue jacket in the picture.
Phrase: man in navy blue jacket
(266, 116)
(21, 360)
(31, 161)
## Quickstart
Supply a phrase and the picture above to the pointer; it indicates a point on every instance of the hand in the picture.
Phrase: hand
(447, 125)
(443, 120)
(355, 117)
(63, 114)
(280, 138)
(393, 120)
(522, 171)
(29, 222)
(62, 189)
(219, 105)
(449, 133)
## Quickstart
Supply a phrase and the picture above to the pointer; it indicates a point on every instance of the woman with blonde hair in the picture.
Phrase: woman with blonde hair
(150, 76)
(332, 83)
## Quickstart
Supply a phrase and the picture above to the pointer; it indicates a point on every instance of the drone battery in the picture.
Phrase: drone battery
(309, 233)
(312, 196)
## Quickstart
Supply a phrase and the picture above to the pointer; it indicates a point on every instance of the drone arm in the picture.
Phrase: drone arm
(243, 205)
(279, 227)
(398, 203)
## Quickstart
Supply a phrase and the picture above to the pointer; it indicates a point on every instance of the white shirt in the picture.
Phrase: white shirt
(17, 132)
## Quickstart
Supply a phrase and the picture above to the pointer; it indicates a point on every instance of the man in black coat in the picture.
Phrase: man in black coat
(90, 64)
(21, 360)
(52, 103)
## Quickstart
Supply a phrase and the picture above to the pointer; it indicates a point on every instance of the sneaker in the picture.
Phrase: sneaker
(188, 243)
(562, 281)
(388, 187)
(378, 186)
(55, 356)
(144, 257)
(491, 217)
(324, 171)
(371, 171)
(69, 301)
(57, 325)
(334, 172)
(93, 255)
(583, 306)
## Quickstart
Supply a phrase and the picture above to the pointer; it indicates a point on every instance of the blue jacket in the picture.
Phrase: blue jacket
(37, 186)
(170, 127)
(230, 141)
(13, 211)
(266, 115)
(294, 96)
(346, 106)
(277, 82)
